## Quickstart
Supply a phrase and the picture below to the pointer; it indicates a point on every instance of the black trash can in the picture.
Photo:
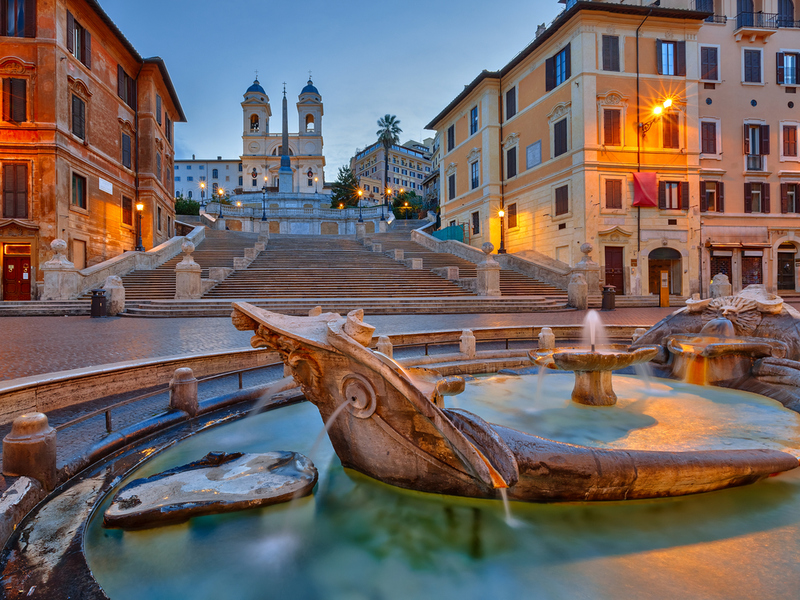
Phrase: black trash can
(99, 304)
(609, 295)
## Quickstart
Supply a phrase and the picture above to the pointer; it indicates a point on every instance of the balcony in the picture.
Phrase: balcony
(755, 26)
(708, 6)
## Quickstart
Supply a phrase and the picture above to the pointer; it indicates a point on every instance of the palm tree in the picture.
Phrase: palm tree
(388, 135)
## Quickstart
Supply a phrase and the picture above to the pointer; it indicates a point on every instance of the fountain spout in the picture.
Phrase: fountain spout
(719, 327)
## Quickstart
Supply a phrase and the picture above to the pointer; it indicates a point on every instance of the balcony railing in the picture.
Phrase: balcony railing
(755, 162)
(759, 20)
(708, 6)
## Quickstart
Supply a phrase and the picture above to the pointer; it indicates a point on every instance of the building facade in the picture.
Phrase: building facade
(409, 165)
(200, 179)
(86, 134)
(609, 128)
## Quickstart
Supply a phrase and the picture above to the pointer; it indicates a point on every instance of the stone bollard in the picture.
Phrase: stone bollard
(385, 346)
(398, 254)
(116, 295)
(376, 247)
(720, 286)
(467, 343)
(187, 275)
(263, 231)
(637, 333)
(547, 339)
(361, 230)
(60, 276)
(183, 391)
(250, 254)
(578, 291)
(415, 264)
(383, 226)
(260, 247)
(30, 450)
(488, 273)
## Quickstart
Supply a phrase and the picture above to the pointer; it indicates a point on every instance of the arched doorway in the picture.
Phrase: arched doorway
(669, 260)
(786, 257)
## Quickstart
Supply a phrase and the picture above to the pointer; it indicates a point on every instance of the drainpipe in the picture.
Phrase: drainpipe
(136, 142)
(639, 144)
(502, 162)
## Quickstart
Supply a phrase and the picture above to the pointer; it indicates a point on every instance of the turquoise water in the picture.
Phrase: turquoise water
(357, 538)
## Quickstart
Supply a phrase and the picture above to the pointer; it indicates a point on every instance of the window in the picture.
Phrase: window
(476, 223)
(613, 193)
(756, 145)
(474, 177)
(15, 100)
(711, 196)
(560, 137)
(512, 215)
(79, 41)
(451, 186)
(473, 120)
(18, 18)
(78, 117)
(669, 125)
(158, 166)
(511, 103)
(126, 87)
(451, 140)
(612, 125)
(511, 163)
(158, 109)
(190, 178)
(241, 180)
(789, 198)
(126, 151)
(752, 66)
(610, 53)
(786, 13)
(709, 63)
(562, 200)
(177, 178)
(787, 68)
(790, 140)
(671, 57)
(255, 182)
(708, 134)
(215, 174)
(188, 167)
(158, 218)
(557, 69)
(78, 191)
(396, 169)
(15, 191)
(254, 124)
(756, 197)
(127, 211)
(168, 128)
(202, 167)
(673, 195)
(240, 167)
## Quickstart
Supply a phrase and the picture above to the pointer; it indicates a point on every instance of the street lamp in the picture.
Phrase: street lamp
(502, 249)
(405, 206)
(139, 209)
(238, 204)
(202, 194)
(220, 191)
(658, 110)
(360, 217)
(264, 202)
(388, 195)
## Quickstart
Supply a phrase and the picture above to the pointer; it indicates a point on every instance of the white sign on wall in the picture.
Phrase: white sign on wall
(106, 186)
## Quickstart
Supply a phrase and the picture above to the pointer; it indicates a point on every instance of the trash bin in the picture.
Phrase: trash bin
(99, 303)
(609, 295)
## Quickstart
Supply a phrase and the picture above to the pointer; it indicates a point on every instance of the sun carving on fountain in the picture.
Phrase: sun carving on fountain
(742, 312)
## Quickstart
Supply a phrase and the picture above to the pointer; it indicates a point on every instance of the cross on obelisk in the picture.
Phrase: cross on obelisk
(256, 74)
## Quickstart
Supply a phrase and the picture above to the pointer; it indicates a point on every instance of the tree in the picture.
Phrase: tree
(406, 204)
(388, 136)
(345, 188)
(185, 206)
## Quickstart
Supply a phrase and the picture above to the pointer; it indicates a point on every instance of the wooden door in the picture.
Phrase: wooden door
(17, 278)
(614, 273)
(654, 278)
(785, 271)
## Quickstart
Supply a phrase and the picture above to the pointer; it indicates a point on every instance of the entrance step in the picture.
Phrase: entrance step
(45, 308)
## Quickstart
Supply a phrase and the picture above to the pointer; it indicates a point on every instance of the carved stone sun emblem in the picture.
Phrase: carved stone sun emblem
(742, 312)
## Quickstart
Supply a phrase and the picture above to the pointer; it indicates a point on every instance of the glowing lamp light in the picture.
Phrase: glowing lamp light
(667, 102)
(140, 206)
(501, 213)
(238, 204)
(658, 110)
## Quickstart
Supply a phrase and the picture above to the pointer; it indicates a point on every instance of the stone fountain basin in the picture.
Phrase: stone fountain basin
(608, 358)
(710, 346)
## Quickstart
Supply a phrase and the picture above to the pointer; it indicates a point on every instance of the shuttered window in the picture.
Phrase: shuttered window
(669, 124)
(612, 121)
(158, 165)
(451, 138)
(79, 41)
(158, 109)
(562, 200)
(558, 68)
(789, 198)
(712, 196)
(78, 191)
(671, 58)
(752, 66)
(708, 131)
(15, 191)
(126, 88)
(15, 100)
(127, 211)
(613, 193)
(708, 63)
(512, 215)
(18, 18)
(756, 197)
(511, 162)
(476, 223)
(560, 137)
(168, 128)
(126, 150)
(511, 103)
(78, 117)
(673, 195)
(790, 140)
(610, 53)
(451, 186)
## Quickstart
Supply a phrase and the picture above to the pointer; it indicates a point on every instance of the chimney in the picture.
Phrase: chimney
(540, 30)
(192, 156)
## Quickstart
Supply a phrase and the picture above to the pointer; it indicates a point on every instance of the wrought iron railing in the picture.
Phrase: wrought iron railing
(708, 6)
(755, 162)
(760, 20)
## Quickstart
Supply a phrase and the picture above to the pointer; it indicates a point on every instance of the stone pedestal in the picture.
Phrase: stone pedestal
(450, 273)
(415, 264)
(467, 343)
(385, 346)
(720, 286)
(250, 253)
(61, 278)
(398, 254)
(578, 291)
(361, 230)
(263, 231)
(219, 223)
(547, 339)
(383, 226)
(115, 292)
(187, 275)
(30, 450)
(488, 273)
(589, 269)
(183, 391)
(376, 247)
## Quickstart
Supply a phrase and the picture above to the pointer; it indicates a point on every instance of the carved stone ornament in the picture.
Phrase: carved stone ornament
(451, 169)
(612, 98)
(511, 140)
(669, 34)
(17, 228)
(59, 260)
(559, 110)
(187, 248)
(742, 312)
(126, 126)
(474, 154)
(79, 88)
(13, 66)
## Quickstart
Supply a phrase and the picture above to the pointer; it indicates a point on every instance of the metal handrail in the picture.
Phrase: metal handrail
(758, 20)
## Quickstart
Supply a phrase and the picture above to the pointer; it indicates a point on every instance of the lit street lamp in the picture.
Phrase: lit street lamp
(388, 195)
(502, 249)
(139, 209)
(220, 191)
(264, 202)
(405, 206)
(202, 194)
(360, 217)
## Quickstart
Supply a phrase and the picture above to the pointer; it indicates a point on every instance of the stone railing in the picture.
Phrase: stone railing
(62, 281)
(246, 212)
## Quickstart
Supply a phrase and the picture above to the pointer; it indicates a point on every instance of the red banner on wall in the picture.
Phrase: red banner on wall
(645, 189)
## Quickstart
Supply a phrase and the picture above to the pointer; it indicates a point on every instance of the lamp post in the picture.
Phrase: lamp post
(220, 191)
(139, 209)
(202, 194)
(360, 217)
(502, 249)
(264, 202)
(405, 206)
(388, 195)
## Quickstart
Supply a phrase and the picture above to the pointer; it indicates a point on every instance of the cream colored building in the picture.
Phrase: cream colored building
(409, 165)
(565, 140)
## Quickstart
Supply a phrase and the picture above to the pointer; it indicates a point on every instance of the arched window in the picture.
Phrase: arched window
(253, 123)
(190, 194)
(215, 174)
(785, 13)
(309, 123)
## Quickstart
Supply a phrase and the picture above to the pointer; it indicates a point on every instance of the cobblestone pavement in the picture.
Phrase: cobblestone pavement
(38, 345)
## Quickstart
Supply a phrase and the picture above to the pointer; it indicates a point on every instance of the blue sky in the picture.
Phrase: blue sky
(367, 58)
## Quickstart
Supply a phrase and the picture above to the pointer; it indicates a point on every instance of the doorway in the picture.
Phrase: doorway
(17, 272)
(614, 272)
(786, 256)
(669, 260)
